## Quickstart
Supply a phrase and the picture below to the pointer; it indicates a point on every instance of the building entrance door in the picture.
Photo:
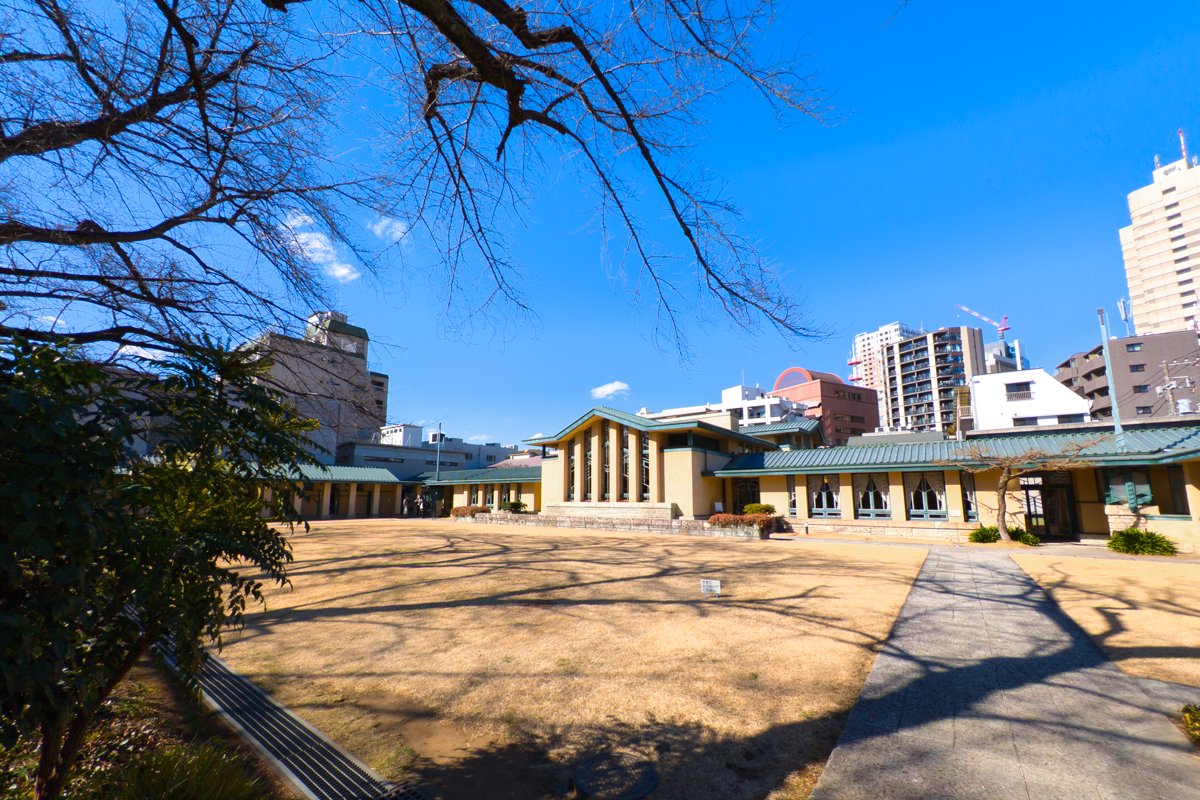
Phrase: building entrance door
(1050, 506)
(745, 492)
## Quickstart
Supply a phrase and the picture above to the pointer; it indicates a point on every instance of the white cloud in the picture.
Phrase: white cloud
(319, 249)
(47, 320)
(610, 390)
(480, 438)
(141, 352)
(537, 435)
(389, 228)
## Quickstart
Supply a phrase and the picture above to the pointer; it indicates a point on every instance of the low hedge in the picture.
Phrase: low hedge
(758, 508)
(1190, 717)
(764, 522)
(1135, 541)
(469, 511)
(1029, 539)
(515, 506)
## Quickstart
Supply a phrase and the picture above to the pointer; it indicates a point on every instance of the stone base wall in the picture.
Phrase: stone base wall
(631, 511)
(690, 527)
(944, 530)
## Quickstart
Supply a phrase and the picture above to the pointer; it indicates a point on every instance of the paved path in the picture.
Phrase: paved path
(986, 689)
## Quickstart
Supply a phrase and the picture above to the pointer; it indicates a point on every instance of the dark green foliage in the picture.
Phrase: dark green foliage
(92, 528)
(985, 534)
(186, 773)
(515, 506)
(759, 508)
(1029, 539)
(1016, 532)
(1140, 543)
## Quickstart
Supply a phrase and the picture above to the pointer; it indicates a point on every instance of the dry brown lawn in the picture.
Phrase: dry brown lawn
(1144, 614)
(495, 657)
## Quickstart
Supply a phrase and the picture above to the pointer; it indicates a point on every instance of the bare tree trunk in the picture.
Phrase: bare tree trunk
(1002, 504)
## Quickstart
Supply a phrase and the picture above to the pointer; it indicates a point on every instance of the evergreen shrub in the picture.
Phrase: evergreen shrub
(1140, 543)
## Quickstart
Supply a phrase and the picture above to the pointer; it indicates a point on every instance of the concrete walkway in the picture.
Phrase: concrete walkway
(985, 689)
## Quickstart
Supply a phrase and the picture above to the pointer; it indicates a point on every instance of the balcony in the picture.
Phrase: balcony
(1011, 396)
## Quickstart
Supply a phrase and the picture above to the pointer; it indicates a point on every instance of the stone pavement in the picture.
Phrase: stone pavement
(985, 689)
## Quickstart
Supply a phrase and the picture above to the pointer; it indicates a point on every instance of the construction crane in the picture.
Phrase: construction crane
(1001, 327)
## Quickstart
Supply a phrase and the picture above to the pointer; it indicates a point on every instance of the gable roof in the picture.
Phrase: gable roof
(1158, 446)
(482, 475)
(805, 425)
(643, 424)
(335, 474)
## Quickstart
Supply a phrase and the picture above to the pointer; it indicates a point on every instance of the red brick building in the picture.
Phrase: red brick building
(845, 410)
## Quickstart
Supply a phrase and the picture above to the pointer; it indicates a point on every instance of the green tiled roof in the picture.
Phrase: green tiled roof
(483, 475)
(335, 474)
(1158, 446)
(806, 425)
(643, 424)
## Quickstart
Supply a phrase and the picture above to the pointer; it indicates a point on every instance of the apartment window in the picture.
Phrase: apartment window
(1185, 283)
(823, 496)
(1024, 422)
(1144, 410)
(1177, 238)
(1172, 205)
(1189, 305)
(1179, 249)
(1175, 227)
(1141, 388)
(871, 496)
(470, 456)
(1069, 419)
(1180, 261)
(1018, 391)
(849, 418)
(1137, 367)
(1175, 216)
(491, 458)
(1133, 348)
(1168, 190)
(1188, 293)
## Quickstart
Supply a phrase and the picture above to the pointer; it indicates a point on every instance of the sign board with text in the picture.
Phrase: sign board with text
(708, 587)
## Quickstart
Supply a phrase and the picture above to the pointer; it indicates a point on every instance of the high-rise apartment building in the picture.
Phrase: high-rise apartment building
(866, 357)
(1162, 248)
(921, 372)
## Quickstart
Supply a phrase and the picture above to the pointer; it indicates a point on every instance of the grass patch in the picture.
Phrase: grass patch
(185, 772)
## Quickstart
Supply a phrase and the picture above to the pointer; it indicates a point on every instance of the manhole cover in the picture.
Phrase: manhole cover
(613, 776)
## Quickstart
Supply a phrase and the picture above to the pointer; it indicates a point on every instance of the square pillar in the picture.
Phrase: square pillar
(614, 462)
(564, 456)
(635, 464)
(954, 496)
(326, 495)
(350, 502)
(846, 494)
(298, 499)
(896, 500)
(375, 499)
(656, 476)
(597, 463)
(577, 443)
(1191, 487)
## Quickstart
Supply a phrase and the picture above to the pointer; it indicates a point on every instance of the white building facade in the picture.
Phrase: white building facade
(1161, 248)
(1025, 398)
(867, 358)
(750, 406)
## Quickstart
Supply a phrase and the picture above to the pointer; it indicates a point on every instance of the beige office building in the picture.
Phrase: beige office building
(1162, 249)
(866, 358)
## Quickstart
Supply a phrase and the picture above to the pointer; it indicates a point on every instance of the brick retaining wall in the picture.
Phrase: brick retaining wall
(690, 527)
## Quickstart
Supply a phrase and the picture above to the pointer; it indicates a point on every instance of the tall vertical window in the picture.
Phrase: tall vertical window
(517, 492)
(970, 509)
(505, 493)
(926, 495)
(625, 434)
(587, 466)
(489, 495)
(605, 461)
(644, 471)
(871, 496)
(571, 470)
(823, 498)
(474, 501)
(791, 490)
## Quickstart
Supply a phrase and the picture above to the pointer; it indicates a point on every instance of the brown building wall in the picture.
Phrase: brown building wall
(1085, 373)
(827, 401)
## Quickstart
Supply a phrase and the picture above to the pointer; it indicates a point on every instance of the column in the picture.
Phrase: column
(898, 504)
(577, 443)
(635, 465)
(846, 495)
(375, 499)
(597, 462)
(656, 476)
(564, 457)
(1191, 487)
(298, 499)
(326, 494)
(614, 462)
(350, 502)
(801, 496)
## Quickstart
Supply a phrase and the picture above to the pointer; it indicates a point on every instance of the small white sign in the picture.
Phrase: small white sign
(718, 508)
(708, 587)
(954, 513)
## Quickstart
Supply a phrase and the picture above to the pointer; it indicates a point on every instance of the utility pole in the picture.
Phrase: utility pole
(1116, 409)
(437, 469)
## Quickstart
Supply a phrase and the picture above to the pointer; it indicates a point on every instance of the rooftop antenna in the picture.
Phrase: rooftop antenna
(1157, 165)
(1183, 146)
(1124, 309)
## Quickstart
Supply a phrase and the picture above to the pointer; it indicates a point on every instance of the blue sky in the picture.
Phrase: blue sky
(984, 160)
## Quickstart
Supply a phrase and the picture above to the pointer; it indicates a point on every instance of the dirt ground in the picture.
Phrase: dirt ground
(1144, 614)
(491, 659)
